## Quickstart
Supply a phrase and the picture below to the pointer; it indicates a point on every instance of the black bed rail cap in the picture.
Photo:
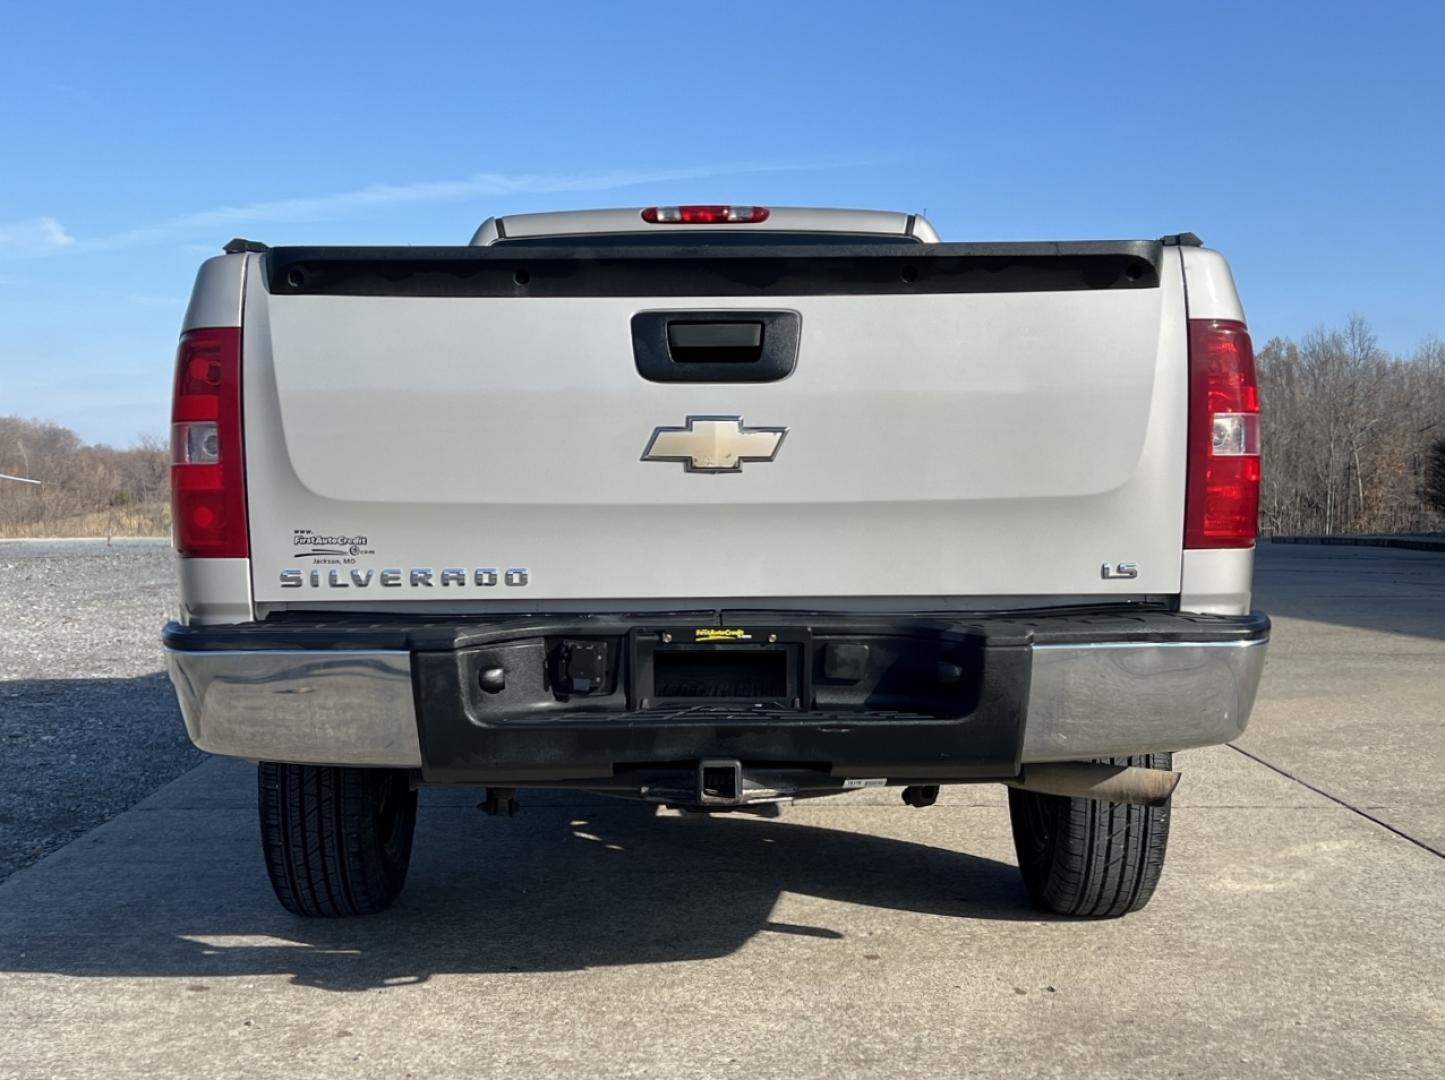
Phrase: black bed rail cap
(784, 269)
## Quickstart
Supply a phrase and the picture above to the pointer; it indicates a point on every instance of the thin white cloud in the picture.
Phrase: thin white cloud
(342, 204)
(36, 236)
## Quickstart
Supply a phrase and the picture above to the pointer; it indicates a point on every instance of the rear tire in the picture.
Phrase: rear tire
(1089, 858)
(337, 840)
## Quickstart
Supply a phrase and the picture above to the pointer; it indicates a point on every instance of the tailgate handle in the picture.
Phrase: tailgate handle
(715, 342)
(715, 346)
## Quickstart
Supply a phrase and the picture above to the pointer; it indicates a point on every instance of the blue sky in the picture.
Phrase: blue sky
(1302, 140)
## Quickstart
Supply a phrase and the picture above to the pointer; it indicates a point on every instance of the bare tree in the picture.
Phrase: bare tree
(84, 489)
(1434, 486)
(1347, 430)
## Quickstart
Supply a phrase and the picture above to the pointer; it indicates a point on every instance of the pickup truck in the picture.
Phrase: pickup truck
(712, 507)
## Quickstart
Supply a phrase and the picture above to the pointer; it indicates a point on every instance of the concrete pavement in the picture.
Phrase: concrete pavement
(1354, 693)
(1291, 935)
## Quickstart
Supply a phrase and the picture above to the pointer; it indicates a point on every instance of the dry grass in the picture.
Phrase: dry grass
(150, 519)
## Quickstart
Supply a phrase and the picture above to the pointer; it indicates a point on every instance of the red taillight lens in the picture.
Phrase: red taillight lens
(208, 482)
(1221, 504)
(705, 215)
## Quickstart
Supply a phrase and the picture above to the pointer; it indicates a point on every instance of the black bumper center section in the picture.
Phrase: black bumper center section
(912, 701)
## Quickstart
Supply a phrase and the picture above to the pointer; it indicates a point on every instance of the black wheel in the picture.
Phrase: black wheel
(1090, 858)
(337, 840)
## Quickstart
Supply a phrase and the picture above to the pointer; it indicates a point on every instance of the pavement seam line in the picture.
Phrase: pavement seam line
(1339, 802)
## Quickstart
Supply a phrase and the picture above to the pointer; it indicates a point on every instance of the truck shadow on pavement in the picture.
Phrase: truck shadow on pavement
(574, 883)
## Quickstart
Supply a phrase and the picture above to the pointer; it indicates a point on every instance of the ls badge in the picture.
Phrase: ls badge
(714, 444)
(1109, 571)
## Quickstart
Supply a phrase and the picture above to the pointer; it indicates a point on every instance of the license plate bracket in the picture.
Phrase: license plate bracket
(734, 665)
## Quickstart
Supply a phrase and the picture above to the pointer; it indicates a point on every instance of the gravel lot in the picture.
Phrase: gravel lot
(88, 724)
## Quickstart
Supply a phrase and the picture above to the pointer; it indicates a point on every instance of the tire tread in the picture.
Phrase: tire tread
(1100, 859)
(322, 848)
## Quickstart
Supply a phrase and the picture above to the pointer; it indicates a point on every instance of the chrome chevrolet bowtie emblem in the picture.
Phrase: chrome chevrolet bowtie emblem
(714, 444)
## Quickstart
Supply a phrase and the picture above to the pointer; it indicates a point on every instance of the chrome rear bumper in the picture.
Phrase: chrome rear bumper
(357, 706)
(1109, 700)
(322, 707)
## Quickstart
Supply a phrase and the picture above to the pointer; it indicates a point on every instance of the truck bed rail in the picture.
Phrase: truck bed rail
(712, 270)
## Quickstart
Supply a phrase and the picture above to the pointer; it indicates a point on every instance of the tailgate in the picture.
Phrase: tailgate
(959, 424)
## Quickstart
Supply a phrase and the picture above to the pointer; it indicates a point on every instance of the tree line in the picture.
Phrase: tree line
(85, 489)
(1354, 442)
(1353, 438)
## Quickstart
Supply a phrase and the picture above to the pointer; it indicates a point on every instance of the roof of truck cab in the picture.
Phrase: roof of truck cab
(790, 219)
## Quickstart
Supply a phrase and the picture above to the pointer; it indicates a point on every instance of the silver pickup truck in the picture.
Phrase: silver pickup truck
(714, 506)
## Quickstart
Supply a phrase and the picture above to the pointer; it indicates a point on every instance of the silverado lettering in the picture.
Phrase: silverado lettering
(395, 577)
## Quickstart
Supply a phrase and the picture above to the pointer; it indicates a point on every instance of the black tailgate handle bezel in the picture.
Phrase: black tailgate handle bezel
(751, 346)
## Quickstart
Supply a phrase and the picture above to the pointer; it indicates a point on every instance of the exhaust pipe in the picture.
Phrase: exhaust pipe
(1094, 780)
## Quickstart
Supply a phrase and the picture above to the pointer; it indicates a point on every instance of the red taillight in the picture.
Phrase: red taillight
(1221, 504)
(208, 483)
(705, 215)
